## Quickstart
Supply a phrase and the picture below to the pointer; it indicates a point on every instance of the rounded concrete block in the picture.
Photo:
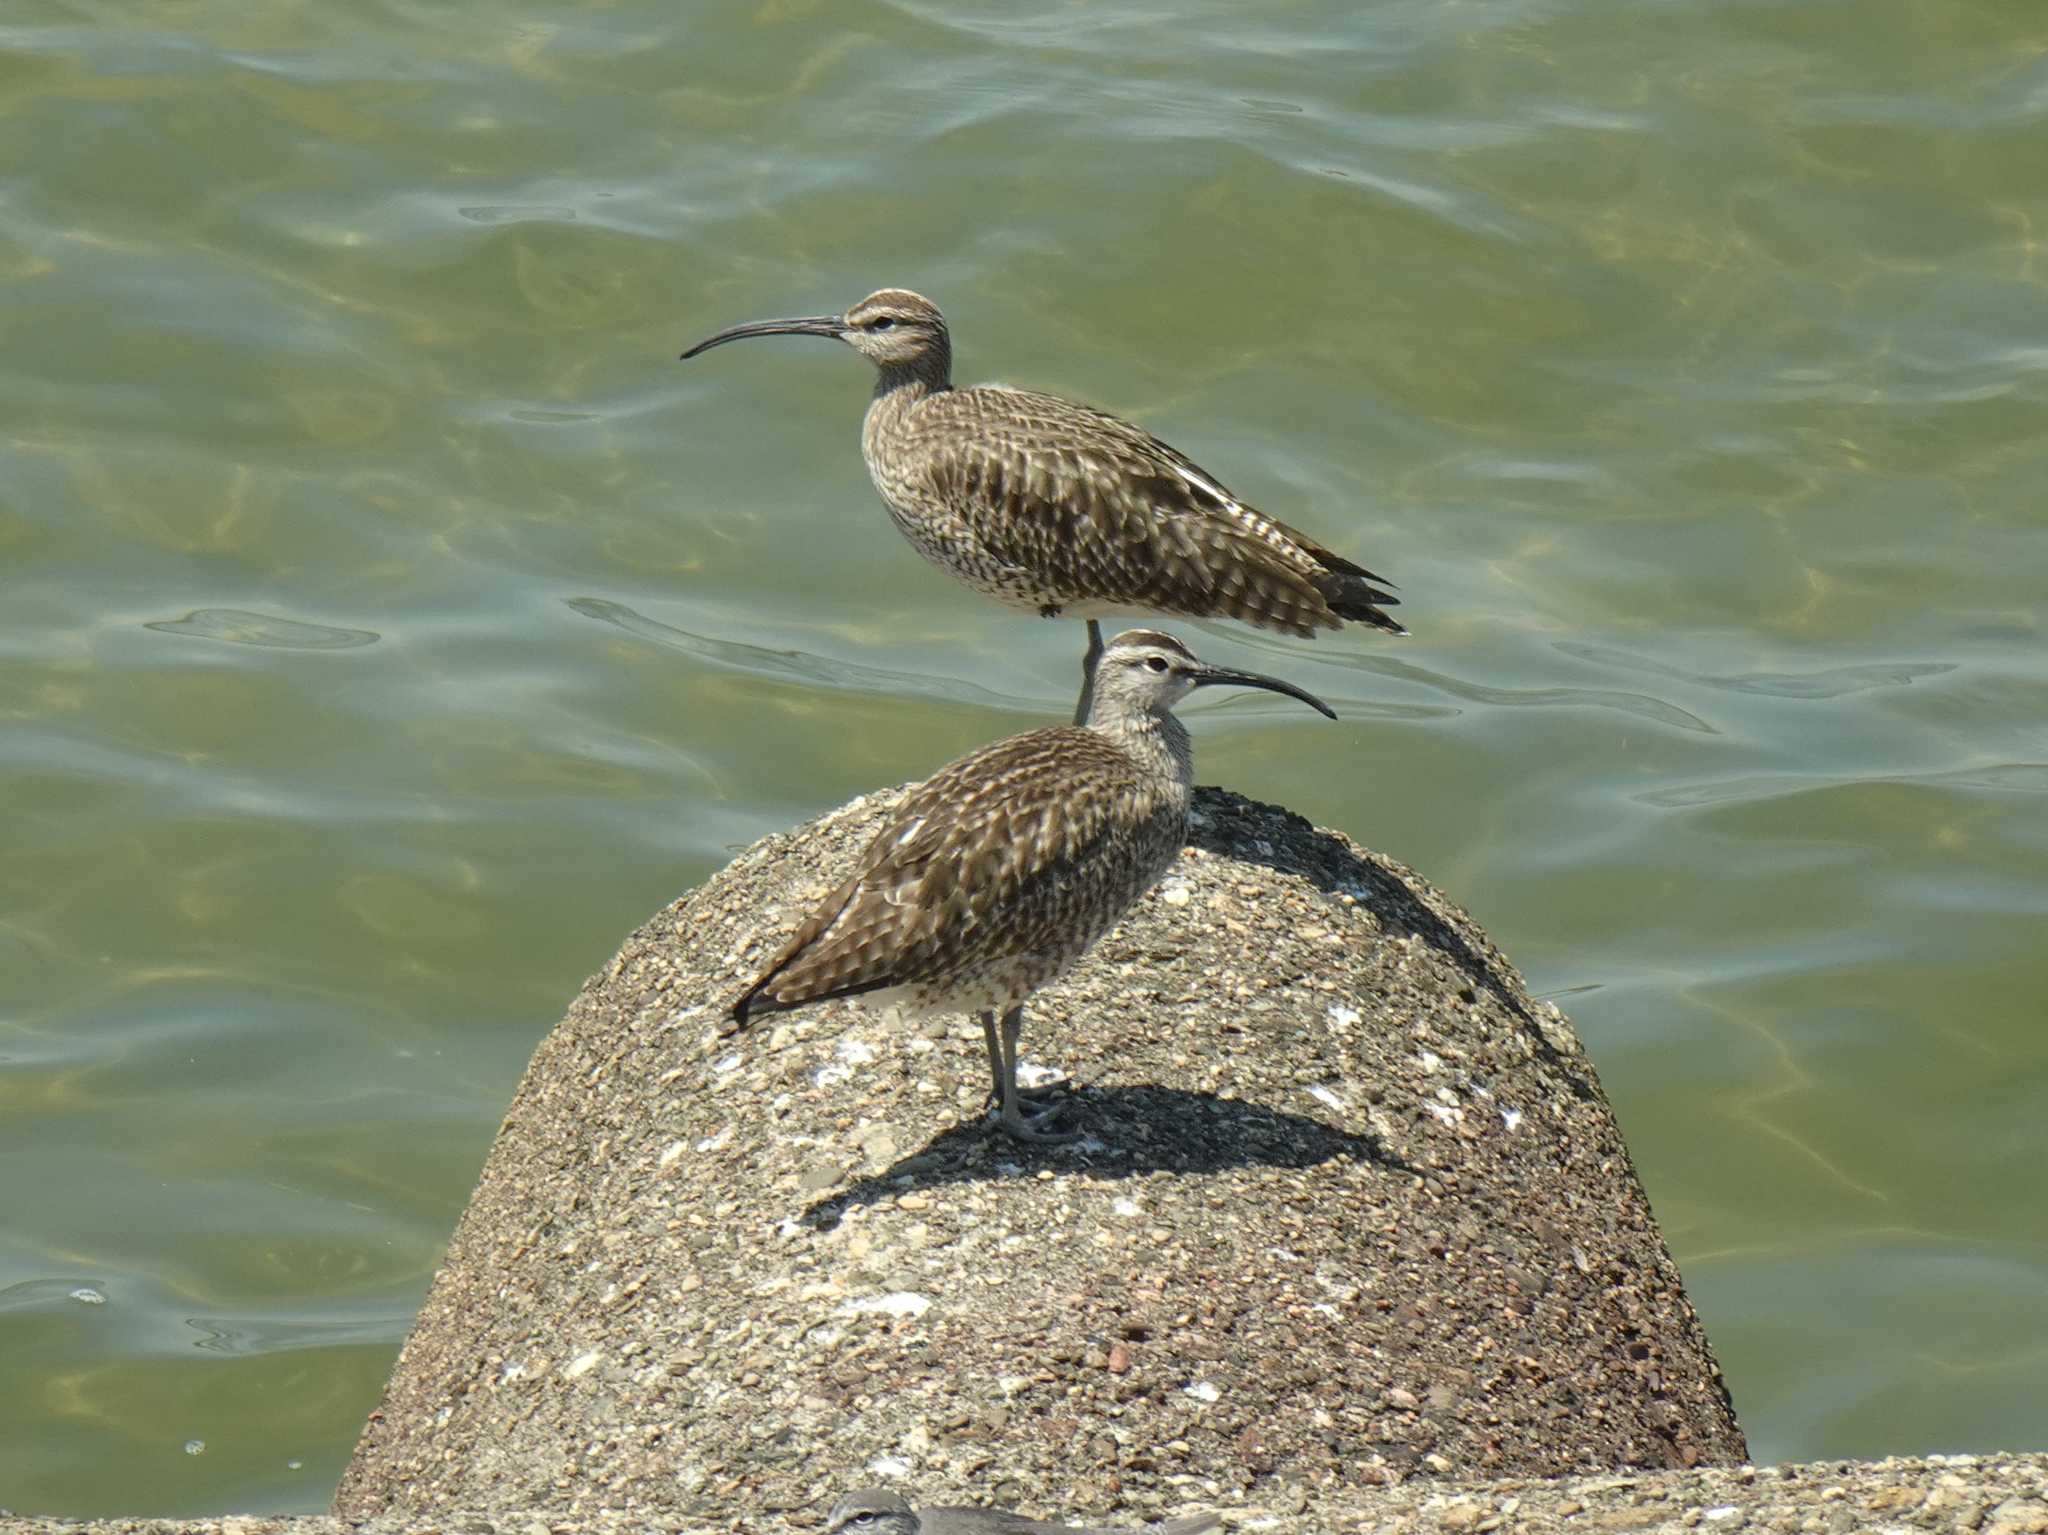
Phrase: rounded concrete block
(1351, 1209)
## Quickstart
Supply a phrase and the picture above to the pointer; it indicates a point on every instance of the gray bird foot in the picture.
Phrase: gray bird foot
(1026, 1127)
(1015, 1122)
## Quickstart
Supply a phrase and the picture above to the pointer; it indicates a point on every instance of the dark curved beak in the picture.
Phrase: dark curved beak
(1217, 676)
(812, 325)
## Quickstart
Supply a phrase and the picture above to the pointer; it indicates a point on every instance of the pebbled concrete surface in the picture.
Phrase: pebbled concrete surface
(1353, 1213)
(1982, 1494)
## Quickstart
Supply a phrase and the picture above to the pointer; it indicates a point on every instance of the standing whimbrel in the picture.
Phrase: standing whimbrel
(996, 873)
(1058, 508)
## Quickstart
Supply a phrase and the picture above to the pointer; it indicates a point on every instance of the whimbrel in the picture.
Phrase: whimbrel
(996, 874)
(878, 1511)
(1058, 508)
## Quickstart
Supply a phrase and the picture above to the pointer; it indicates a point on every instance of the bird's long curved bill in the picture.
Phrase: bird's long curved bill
(811, 325)
(1216, 676)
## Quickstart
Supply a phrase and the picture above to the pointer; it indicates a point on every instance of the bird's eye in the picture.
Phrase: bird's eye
(882, 322)
(1157, 663)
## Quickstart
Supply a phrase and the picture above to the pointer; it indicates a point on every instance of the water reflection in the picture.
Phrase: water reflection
(237, 627)
(797, 665)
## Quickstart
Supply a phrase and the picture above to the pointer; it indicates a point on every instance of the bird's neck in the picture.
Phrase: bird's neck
(1159, 741)
(931, 373)
(897, 393)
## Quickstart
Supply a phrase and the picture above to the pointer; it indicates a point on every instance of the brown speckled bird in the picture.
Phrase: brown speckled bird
(1057, 508)
(999, 871)
(878, 1511)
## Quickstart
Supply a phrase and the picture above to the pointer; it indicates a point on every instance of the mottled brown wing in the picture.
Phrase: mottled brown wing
(1101, 510)
(960, 870)
(1136, 440)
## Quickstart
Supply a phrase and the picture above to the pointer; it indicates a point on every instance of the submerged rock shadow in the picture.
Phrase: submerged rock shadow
(1126, 1131)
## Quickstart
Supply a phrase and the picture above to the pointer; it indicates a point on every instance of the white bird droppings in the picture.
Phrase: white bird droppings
(851, 1053)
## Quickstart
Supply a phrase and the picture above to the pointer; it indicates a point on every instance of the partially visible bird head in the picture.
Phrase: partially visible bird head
(1143, 671)
(895, 329)
(871, 1511)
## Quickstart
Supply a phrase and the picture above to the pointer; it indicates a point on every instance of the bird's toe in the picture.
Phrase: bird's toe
(1029, 1127)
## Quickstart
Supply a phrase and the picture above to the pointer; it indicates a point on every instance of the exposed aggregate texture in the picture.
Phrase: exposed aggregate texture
(1352, 1213)
(1944, 1495)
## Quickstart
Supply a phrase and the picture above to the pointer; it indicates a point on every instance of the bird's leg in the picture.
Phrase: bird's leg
(995, 1065)
(1015, 1121)
(995, 1054)
(1088, 673)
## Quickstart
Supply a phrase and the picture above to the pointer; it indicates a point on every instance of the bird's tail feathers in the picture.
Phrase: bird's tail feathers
(742, 1012)
(1354, 597)
(754, 1001)
(759, 1001)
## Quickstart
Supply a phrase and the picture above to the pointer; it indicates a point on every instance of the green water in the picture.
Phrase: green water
(391, 622)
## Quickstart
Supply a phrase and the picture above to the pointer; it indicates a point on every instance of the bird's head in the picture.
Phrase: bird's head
(895, 329)
(1143, 671)
(871, 1511)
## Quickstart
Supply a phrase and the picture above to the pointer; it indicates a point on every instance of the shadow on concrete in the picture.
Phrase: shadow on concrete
(1126, 1131)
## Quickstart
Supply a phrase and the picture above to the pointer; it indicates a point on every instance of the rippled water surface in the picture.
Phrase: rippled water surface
(392, 622)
